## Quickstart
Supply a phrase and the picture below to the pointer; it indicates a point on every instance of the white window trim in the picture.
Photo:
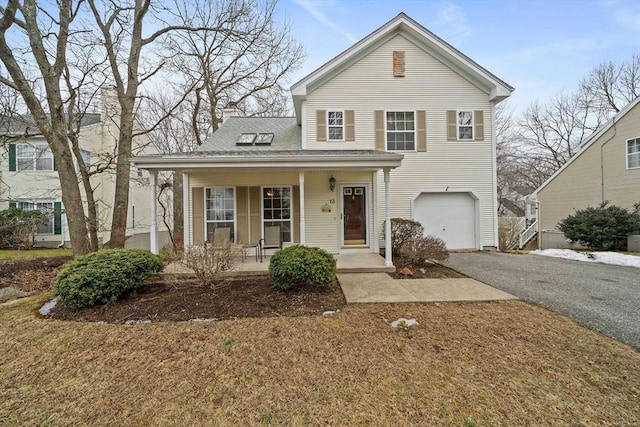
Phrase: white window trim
(50, 214)
(343, 126)
(235, 211)
(291, 225)
(34, 158)
(415, 129)
(626, 150)
(473, 125)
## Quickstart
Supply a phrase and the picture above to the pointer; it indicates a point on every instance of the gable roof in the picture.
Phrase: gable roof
(496, 88)
(590, 141)
(23, 124)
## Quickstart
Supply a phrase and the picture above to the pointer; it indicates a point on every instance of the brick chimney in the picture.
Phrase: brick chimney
(231, 110)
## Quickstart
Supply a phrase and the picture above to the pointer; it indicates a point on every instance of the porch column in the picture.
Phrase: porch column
(387, 222)
(153, 232)
(302, 221)
(376, 220)
(186, 217)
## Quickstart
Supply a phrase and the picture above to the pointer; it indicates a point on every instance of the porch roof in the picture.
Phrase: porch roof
(300, 159)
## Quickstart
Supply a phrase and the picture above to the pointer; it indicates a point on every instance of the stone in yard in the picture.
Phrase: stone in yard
(406, 272)
(9, 294)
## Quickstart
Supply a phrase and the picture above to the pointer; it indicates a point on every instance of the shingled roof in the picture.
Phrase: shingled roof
(23, 124)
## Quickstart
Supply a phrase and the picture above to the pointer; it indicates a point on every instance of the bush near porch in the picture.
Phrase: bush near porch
(410, 247)
(302, 266)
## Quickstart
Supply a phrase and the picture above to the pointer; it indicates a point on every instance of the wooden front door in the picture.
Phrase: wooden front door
(354, 216)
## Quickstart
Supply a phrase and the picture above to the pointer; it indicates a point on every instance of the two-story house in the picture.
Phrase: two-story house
(399, 125)
(29, 178)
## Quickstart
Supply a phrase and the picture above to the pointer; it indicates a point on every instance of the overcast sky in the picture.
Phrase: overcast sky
(540, 47)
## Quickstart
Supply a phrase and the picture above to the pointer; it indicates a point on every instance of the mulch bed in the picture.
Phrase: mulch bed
(178, 300)
(31, 275)
(433, 271)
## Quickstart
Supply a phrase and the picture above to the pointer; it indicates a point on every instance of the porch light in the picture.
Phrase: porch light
(332, 183)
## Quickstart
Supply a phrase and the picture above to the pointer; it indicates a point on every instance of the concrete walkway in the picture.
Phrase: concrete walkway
(380, 287)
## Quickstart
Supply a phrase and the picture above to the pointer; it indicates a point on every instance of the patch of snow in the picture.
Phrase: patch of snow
(137, 322)
(48, 306)
(330, 312)
(404, 323)
(612, 258)
(198, 319)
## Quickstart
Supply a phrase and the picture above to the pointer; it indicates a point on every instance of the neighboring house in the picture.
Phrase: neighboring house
(606, 168)
(28, 177)
(399, 125)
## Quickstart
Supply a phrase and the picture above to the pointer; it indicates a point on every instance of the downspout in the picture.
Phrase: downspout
(602, 160)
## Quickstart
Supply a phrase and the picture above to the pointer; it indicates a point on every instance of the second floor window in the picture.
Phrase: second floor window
(33, 157)
(465, 125)
(401, 131)
(633, 153)
(335, 123)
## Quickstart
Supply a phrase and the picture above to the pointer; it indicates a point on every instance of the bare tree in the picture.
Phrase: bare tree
(249, 70)
(612, 86)
(48, 33)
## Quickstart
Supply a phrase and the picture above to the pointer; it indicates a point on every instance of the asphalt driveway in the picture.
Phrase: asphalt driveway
(603, 297)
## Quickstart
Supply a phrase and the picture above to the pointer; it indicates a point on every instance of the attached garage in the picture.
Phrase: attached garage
(451, 216)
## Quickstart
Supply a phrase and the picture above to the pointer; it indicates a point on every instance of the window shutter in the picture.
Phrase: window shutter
(197, 199)
(379, 129)
(13, 205)
(55, 165)
(57, 218)
(12, 157)
(349, 126)
(452, 125)
(398, 63)
(321, 125)
(421, 130)
(478, 121)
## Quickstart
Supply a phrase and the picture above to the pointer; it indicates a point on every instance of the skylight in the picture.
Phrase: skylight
(246, 139)
(264, 139)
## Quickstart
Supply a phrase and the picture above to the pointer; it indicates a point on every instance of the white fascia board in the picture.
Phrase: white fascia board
(268, 163)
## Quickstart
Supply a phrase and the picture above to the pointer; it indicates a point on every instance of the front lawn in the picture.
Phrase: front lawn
(8, 254)
(506, 363)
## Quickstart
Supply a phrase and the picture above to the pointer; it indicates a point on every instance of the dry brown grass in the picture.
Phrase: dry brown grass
(507, 363)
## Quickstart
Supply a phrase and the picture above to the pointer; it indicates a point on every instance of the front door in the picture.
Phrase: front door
(354, 216)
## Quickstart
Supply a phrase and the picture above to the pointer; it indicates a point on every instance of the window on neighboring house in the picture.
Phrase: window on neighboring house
(31, 157)
(633, 153)
(44, 206)
(276, 203)
(465, 125)
(335, 123)
(220, 210)
(401, 134)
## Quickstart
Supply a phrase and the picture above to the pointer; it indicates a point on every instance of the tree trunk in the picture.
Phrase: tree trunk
(178, 213)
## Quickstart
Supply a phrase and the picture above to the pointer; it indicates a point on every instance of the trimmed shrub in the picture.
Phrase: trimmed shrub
(18, 227)
(105, 276)
(416, 252)
(403, 231)
(298, 266)
(598, 227)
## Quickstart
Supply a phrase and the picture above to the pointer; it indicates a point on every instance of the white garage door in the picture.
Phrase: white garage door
(450, 216)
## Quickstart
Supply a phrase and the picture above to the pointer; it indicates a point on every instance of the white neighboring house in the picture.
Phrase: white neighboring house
(401, 124)
(28, 177)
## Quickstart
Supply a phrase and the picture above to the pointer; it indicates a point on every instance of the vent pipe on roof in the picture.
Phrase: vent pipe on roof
(231, 110)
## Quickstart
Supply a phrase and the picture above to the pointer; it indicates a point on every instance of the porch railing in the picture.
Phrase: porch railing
(528, 234)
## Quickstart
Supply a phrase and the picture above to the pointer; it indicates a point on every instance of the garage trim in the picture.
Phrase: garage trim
(476, 200)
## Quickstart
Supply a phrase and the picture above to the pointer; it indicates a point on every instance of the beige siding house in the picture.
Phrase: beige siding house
(607, 167)
(28, 177)
(399, 125)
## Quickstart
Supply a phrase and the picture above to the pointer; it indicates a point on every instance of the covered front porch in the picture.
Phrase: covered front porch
(346, 263)
(332, 202)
